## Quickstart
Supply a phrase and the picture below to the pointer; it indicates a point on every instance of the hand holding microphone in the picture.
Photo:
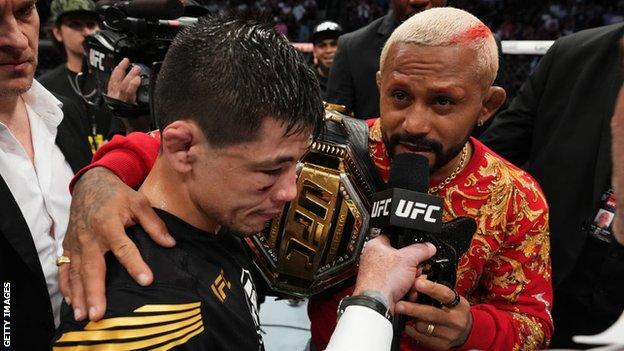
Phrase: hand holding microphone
(409, 215)
(389, 271)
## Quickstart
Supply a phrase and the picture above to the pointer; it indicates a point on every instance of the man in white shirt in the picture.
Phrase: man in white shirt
(39, 151)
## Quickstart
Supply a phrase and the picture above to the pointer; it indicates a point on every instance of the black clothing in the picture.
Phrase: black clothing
(558, 128)
(590, 298)
(352, 76)
(352, 81)
(59, 81)
(322, 82)
(202, 280)
(31, 319)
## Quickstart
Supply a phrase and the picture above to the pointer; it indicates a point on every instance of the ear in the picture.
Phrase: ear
(56, 31)
(378, 80)
(179, 141)
(494, 99)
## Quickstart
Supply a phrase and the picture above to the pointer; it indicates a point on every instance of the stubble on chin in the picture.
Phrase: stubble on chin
(14, 92)
(19, 88)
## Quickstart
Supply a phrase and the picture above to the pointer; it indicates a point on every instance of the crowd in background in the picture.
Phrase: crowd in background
(543, 20)
(509, 19)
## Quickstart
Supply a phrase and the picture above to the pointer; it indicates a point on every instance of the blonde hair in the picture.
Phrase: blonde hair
(445, 26)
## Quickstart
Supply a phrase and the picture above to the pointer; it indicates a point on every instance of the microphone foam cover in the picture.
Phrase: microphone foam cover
(410, 172)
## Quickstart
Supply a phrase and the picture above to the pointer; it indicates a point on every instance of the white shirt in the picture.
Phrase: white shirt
(360, 328)
(40, 190)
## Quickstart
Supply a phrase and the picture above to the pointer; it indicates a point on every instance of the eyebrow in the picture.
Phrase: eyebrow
(454, 89)
(436, 87)
(274, 162)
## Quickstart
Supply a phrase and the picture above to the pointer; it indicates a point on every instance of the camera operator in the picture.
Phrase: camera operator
(72, 21)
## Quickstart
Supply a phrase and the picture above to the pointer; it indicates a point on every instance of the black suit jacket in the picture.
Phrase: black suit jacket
(558, 129)
(352, 78)
(23, 284)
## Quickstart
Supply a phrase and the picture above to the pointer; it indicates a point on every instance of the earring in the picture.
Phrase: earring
(480, 123)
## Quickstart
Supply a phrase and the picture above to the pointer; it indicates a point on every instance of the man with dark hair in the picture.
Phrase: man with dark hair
(41, 146)
(237, 178)
(213, 183)
(72, 21)
(324, 39)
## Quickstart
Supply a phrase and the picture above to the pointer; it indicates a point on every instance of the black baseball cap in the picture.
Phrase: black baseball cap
(325, 30)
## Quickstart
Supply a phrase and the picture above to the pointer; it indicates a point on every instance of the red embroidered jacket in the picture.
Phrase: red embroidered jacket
(505, 274)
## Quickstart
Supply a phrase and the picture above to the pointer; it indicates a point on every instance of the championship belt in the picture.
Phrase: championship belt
(316, 240)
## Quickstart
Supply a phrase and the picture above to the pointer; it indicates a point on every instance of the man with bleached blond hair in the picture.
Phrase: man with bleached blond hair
(435, 84)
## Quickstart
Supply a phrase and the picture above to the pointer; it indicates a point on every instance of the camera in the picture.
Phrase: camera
(142, 31)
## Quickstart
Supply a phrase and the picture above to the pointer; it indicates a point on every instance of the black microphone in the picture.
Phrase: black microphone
(145, 9)
(404, 210)
(409, 215)
(406, 213)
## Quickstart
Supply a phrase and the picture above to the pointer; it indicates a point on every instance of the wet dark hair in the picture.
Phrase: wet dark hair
(229, 74)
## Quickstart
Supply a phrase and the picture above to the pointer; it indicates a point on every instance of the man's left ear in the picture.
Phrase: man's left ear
(178, 139)
(494, 99)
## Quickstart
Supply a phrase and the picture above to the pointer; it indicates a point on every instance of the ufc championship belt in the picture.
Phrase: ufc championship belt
(315, 241)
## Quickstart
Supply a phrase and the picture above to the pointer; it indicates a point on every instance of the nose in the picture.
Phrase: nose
(287, 187)
(11, 35)
(417, 121)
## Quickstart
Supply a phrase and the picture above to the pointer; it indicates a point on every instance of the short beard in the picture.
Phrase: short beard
(9, 93)
(421, 143)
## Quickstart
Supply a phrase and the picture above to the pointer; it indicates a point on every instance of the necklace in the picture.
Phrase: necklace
(460, 166)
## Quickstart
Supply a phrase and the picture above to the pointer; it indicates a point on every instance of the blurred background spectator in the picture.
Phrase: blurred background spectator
(510, 19)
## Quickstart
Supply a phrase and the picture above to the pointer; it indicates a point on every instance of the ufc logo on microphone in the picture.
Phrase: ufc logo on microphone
(381, 207)
(407, 209)
(412, 209)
